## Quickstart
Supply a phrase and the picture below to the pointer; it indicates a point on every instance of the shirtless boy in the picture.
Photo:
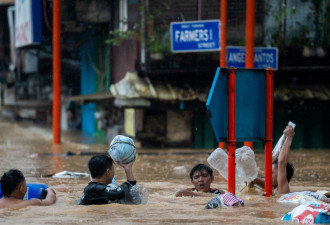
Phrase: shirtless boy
(13, 188)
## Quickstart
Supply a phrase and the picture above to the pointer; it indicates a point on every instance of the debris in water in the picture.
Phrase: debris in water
(69, 174)
(34, 155)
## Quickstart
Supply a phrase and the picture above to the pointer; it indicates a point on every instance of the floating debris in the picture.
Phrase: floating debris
(69, 174)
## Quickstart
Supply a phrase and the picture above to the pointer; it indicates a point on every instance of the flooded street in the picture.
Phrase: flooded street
(29, 149)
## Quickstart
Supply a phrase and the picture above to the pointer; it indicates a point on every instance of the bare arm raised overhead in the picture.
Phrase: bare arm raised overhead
(282, 181)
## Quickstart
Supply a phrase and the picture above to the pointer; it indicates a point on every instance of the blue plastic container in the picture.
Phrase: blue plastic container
(33, 191)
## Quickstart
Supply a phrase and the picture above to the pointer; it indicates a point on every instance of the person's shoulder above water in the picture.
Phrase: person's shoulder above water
(193, 192)
(201, 176)
(14, 188)
(216, 191)
(96, 193)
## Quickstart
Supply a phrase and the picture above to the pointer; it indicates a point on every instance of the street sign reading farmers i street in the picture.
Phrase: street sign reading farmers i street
(195, 36)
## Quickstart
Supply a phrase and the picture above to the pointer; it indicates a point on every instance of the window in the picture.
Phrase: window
(123, 15)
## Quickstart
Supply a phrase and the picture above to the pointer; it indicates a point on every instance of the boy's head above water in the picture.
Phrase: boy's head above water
(201, 177)
(101, 166)
(11, 181)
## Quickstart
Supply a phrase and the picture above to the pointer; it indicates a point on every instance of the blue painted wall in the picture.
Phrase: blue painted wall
(87, 86)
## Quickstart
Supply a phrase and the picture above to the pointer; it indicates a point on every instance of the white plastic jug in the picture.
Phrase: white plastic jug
(246, 166)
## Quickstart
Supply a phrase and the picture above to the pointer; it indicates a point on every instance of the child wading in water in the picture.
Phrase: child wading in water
(13, 188)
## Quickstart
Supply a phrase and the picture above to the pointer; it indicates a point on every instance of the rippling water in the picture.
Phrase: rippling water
(29, 149)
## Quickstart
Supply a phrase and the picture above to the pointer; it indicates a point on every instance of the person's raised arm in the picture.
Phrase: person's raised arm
(283, 185)
(128, 170)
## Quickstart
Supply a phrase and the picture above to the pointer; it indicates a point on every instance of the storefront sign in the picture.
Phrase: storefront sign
(28, 22)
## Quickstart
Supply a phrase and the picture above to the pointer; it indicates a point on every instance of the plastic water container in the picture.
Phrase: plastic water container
(33, 191)
(246, 166)
(114, 182)
(219, 161)
(139, 194)
(136, 195)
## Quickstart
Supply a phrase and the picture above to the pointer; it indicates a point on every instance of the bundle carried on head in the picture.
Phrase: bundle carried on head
(122, 149)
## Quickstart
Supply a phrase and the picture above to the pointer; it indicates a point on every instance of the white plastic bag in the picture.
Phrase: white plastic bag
(278, 146)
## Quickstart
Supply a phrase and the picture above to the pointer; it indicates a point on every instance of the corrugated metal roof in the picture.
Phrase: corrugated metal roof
(89, 97)
(287, 93)
(134, 87)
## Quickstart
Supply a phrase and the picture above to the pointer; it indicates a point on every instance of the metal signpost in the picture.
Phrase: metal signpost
(240, 106)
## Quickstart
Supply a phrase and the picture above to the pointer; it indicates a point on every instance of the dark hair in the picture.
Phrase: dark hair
(98, 164)
(200, 167)
(289, 170)
(10, 181)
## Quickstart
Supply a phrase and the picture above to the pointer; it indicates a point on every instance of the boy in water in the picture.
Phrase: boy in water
(98, 191)
(282, 171)
(201, 177)
(13, 188)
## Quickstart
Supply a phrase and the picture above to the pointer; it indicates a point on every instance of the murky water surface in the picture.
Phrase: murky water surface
(154, 169)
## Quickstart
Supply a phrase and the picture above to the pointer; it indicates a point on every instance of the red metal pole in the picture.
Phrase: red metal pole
(249, 31)
(269, 131)
(249, 144)
(249, 48)
(231, 129)
(223, 33)
(223, 43)
(222, 145)
(56, 71)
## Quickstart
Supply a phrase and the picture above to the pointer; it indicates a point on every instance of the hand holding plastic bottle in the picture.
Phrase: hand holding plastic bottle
(278, 146)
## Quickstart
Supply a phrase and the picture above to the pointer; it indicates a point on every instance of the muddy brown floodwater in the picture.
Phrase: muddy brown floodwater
(154, 169)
